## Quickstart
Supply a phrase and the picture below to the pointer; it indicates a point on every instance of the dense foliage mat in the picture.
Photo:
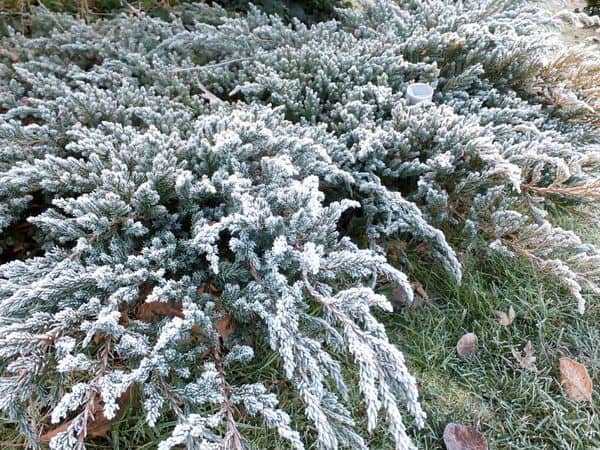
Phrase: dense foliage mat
(176, 194)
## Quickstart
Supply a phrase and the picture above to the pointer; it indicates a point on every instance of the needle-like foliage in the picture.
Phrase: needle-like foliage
(198, 186)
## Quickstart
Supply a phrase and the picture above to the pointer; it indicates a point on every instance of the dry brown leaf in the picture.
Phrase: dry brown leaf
(526, 358)
(420, 290)
(506, 318)
(124, 319)
(467, 345)
(575, 380)
(149, 312)
(46, 437)
(399, 297)
(225, 326)
(461, 437)
(153, 311)
(97, 425)
(423, 248)
(14, 58)
(212, 289)
(98, 338)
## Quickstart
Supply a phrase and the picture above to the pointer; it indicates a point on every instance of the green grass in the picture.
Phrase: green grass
(513, 407)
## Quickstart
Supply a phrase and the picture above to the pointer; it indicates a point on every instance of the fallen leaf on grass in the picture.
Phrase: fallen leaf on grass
(97, 425)
(400, 299)
(467, 345)
(461, 437)
(526, 358)
(505, 318)
(420, 290)
(575, 380)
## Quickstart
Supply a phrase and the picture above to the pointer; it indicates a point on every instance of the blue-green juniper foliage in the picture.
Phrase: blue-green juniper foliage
(194, 187)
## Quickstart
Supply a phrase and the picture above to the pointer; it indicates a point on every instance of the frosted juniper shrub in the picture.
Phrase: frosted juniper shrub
(186, 186)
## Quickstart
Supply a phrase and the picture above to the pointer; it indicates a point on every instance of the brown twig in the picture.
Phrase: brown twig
(233, 439)
(589, 191)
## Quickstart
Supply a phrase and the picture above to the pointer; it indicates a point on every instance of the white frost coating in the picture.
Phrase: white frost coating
(174, 228)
